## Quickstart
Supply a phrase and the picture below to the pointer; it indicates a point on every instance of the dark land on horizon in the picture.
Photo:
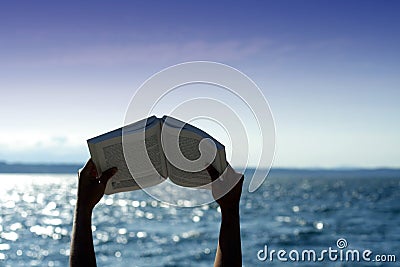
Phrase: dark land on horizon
(38, 168)
(321, 172)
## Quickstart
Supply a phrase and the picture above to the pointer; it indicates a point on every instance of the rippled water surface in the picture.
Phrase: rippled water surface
(290, 211)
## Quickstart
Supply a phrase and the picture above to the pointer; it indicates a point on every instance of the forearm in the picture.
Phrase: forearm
(229, 251)
(82, 250)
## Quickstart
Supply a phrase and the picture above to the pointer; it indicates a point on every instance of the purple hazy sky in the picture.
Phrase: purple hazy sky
(330, 71)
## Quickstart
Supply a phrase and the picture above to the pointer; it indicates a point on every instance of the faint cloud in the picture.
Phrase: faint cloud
(42, 148)
(20, 142)
(144, 53)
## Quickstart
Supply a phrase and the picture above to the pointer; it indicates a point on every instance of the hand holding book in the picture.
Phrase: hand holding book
(91, 186)
(226, 187)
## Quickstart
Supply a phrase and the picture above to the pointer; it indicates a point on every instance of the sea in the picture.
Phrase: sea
(338, 215)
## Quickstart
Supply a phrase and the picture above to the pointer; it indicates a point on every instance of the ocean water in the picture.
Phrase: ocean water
(291, 211)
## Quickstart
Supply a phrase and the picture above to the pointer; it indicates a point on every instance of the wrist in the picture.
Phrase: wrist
(232, 210)
(83, 210)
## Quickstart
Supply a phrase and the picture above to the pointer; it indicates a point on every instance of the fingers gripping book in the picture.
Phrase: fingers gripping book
(152, 150)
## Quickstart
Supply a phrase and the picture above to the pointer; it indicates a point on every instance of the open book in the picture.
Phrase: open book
(151, 150)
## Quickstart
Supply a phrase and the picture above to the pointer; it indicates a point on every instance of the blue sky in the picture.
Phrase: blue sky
(330, 71)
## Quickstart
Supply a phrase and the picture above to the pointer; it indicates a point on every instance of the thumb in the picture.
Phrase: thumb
(88, 168)
(212, 171)
(106, 175)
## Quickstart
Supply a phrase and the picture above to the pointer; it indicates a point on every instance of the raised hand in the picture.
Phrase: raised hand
(90, 191)
(90, 186)
(227, 189)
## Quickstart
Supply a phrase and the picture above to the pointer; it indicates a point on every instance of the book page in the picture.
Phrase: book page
(189, 143)
(122, 180)
(146, 162)
(145, 156)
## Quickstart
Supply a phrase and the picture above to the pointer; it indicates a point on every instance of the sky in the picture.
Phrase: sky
(330, 71)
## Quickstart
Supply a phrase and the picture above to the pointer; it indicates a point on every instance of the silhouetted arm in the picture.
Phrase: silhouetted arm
(90, 191)
(229, 250)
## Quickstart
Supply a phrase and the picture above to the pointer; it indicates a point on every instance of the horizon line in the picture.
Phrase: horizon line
(3, 162)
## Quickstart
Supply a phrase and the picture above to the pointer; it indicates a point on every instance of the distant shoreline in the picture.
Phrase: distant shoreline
(38, 168)
(73, 168)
